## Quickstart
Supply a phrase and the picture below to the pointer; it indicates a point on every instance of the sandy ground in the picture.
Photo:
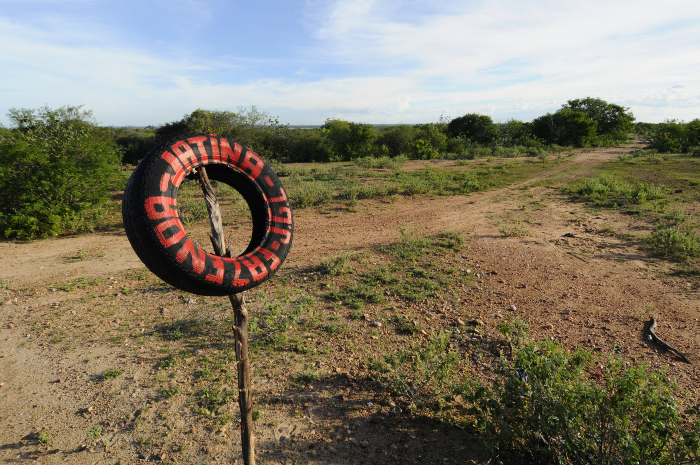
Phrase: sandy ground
(590, 289)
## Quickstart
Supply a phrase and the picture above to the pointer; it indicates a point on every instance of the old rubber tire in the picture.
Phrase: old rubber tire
(158, 236)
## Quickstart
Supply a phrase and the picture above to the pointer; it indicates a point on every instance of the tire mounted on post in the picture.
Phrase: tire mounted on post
(158, 236)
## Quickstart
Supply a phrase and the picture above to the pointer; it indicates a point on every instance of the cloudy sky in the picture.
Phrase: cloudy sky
(151, 61)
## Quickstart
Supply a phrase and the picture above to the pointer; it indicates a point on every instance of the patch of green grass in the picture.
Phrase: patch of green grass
(406, 326)
(334, 266)
(170, 392)
(95, 433)
(304, 378)
(168, 362)
(113, 373)
(517, 229)
(181, 329)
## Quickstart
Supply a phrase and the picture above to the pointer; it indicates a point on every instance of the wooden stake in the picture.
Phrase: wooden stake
(245, 394)
(240, 328)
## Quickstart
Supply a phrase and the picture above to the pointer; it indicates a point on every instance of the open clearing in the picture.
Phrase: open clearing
(119, 367)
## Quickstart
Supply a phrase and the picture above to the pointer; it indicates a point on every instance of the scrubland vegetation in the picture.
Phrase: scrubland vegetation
(535, 401)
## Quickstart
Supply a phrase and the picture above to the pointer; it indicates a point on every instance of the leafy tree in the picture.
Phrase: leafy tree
(514, 132)
(398, 139)
(429, 141)
(56, 170)
(477, 128)
(614, 121)
(566, 127)
(349, 140)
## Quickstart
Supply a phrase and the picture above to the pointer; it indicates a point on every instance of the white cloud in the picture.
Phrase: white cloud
(382, 62)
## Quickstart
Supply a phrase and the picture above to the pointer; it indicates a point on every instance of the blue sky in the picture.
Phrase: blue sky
(150, 62)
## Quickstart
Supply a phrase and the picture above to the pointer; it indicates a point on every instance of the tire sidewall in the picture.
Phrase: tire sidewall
(156, 232)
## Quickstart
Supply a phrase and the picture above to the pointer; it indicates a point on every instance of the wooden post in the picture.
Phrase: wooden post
(245, 393)
(240, 328)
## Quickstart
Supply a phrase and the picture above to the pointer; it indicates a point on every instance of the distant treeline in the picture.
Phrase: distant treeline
(587, 122)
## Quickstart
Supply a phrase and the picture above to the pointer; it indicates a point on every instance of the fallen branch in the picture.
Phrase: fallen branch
(662, 343)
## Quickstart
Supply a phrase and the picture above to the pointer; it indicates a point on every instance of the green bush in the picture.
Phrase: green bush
(56, 172)
(613, 122)
(566, 127)
(310, 194)
(543, 408)
(478, 129)
(673, 242)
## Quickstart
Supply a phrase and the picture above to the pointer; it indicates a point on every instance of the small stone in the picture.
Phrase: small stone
(549, 326)
(512, 308)
(192, 430)
(460, 322)
(91, 409)
(370, 404)
(376, 324)
(352, 441)
(422, 331)
(365, 316)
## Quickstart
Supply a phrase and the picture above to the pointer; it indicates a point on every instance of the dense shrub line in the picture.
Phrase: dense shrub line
(57, 166)
(672, 136)
(579, 123)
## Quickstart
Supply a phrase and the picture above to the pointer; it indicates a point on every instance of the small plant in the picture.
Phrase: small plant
(516, 230)
(305, 378)
(170, 392)
(168, 362)
(95, 433)
(44, 437)
(334, 266)
(109, 374)
(419, 373)
(257, 414)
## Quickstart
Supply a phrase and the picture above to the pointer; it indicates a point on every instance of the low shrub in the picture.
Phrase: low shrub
(543, 408)
(673, 242)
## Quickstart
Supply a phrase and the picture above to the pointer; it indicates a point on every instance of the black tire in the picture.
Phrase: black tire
(158, 236)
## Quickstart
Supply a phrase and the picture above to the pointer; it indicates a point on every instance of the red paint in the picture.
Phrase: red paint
(184, 153)
(219, 267)
(172, 161)
(275, 245)
(175, 238)
(176, 166)
(287, 234)
(269, 181)
(197, 254)
(269, 256)
(166, 204)
(255, 168)
(164, 181)
(281, 198)
(203, 157)
(237, 281)
(255, 266)
(287, 218)
(215, 155)
(228, 156)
